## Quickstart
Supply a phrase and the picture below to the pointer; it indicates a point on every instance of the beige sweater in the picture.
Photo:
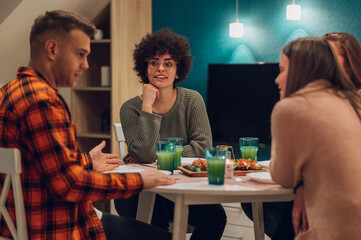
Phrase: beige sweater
(317, 138)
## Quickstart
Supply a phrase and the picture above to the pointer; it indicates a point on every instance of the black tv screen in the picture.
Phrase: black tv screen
(240, 98)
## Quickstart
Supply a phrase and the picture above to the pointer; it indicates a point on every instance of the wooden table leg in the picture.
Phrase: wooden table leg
(145, 206)
(180, 221)
(257, 212)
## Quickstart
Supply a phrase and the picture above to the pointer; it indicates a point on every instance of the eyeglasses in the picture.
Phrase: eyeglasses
(155, 63)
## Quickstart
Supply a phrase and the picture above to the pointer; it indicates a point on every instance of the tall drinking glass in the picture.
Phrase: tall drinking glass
(165, 154)
(216, 161)
(178, 150)
(249, 147)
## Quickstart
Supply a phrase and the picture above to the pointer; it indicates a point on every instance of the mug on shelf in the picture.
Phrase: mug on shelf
(98, 34)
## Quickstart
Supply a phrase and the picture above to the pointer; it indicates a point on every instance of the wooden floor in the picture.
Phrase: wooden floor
(238, 227)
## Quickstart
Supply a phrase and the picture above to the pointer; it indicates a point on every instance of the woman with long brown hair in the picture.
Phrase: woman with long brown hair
(291, 217)
(316, 134)
(348, 53)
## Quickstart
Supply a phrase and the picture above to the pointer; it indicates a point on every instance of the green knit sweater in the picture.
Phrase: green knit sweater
(187, 119)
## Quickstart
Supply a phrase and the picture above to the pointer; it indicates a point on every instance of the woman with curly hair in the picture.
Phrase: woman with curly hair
(162, 60)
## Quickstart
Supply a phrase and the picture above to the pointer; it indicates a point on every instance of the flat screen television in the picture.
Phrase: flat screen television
(240, 98)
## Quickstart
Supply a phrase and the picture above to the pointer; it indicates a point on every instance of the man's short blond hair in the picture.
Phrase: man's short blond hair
(59, 22)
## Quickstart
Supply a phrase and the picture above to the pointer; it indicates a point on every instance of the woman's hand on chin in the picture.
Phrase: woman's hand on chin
(149, 96)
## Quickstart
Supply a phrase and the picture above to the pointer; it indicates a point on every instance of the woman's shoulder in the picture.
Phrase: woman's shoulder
(133, 103)
(189, 95)
(286, 107)
(306, 105)
(292, 108)
(134, 100)
(317, 94)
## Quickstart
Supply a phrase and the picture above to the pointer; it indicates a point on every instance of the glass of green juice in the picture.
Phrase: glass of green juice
(165, 155)
(249, 147)
(178, 150)
(216, 163)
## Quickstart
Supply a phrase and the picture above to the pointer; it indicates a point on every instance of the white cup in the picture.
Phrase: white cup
(229, 170)
(105, 76)
(98, 34)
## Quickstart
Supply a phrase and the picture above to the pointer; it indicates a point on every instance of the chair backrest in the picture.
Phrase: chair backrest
(10, 164)
(119, 135)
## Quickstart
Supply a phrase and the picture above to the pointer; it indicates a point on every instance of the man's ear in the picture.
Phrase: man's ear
(51, 49)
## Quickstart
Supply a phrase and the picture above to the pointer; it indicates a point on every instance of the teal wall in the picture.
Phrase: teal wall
(205, 23)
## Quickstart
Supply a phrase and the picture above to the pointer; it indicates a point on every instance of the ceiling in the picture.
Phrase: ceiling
(15, 27)
(6, 7)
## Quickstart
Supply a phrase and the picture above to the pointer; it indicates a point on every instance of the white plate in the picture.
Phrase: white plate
(165, 172)
(188, 161)
(262, 177)
(264, 163)
(125, 169)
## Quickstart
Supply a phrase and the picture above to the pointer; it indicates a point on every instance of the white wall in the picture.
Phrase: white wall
(15, 31)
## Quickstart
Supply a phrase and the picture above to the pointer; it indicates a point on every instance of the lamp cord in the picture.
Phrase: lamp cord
(236, 9)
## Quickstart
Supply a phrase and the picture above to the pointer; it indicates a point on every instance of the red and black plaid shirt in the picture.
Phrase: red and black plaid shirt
(58, 184)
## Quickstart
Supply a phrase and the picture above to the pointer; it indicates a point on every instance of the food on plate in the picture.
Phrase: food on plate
(246, 164)
(198, 165)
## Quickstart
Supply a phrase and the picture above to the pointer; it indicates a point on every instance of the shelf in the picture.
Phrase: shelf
(94, 135)
(97, 89)
(101, 41)
(95, 107)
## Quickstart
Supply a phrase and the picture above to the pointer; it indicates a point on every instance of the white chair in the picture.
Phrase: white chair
(10, 164)
(119, 135)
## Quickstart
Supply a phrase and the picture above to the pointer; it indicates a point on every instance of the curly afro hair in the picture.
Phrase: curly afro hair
(162, 42)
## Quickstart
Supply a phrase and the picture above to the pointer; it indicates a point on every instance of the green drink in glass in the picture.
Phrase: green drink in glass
(249, 147)
(216, 164)
(216, 168)
(165, 154)
(165, 160)
(249, 152)
(177, 156)
(178, 150)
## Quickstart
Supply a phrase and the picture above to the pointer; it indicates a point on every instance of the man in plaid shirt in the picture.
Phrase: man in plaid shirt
(59, 183)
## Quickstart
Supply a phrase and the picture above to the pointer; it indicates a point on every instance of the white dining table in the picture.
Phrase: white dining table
(196, 191)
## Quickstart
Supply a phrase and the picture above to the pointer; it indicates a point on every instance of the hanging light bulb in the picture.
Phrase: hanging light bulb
(236, 29)
(293, 11)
